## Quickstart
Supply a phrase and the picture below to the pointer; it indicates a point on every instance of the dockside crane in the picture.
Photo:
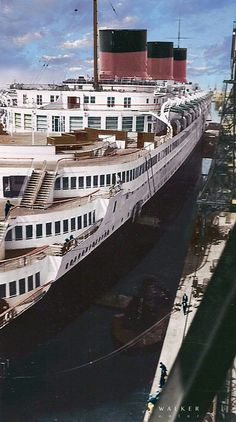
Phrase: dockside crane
(220, 190)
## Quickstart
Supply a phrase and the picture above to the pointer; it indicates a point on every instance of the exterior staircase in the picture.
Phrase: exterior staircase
(31, 189)
(39, 189)
(3, 227)
(43, 195)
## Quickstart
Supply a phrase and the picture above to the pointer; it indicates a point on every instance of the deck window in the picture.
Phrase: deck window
(39, 230)
(58, 184)
(37, 279)
(72, 224)
(65, 226)
(27, 121)
(127, 175)
(110, 101)
(22, 286)
(90, 218)
(85, 220)
(58, 123)
(88, 181)
(57, 227)
(94, 217)
(95, 181)
(81, 182)
(94, 122)
(73, 182)
(42, 123)
(48, 229)
(127, 102)
(8, 235)
(79, 223)
(39, 99)
(92, 100)
(65, 183)
(102, 180)
(108, 179)
(17, 120)
(29, 231)
(112, 123)
(2, 290)
(30, 283)
(12, 288)
(113, 178)
(123, 176)
(13, 186)
(127, 123)
(139, 123)
(76, 122)
(18, 233)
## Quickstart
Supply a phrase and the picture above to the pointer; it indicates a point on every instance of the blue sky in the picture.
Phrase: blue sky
(50, 40)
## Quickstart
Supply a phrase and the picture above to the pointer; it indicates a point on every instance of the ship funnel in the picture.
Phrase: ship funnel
(160, 60)
(123, 53)
(180, 64)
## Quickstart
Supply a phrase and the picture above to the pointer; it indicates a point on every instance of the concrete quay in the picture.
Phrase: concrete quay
(198, 268)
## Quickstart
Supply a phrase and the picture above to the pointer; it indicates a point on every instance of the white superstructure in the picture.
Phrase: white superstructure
(76, 105)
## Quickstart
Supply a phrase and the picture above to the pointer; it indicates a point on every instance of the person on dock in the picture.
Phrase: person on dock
(163, 375)
(152, 399)
(8, 206)
(163, 369)
(185, 303)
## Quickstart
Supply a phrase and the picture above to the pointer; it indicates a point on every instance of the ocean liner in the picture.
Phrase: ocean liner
(120, 138)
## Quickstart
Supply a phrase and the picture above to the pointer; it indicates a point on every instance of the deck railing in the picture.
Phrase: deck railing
(56, 249)
(14, 311)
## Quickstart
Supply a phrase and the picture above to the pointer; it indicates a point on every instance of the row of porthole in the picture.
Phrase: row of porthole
(87, 248)
(81, 182)
(72, 261)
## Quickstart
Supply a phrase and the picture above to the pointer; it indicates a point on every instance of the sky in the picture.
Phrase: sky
(46, 41)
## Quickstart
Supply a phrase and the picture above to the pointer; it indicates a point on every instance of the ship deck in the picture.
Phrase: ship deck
(23, 139)
(72, 158)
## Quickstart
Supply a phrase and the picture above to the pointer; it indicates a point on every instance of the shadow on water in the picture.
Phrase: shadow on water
(66, 329)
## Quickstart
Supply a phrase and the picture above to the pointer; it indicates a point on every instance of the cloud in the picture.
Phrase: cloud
(130, 20)
(57, 59)
(75, 69)
(81, 43)
(89, 61)
(27, 38)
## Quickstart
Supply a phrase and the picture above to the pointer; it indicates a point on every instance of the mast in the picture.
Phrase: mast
(179, 32)
(95, 45)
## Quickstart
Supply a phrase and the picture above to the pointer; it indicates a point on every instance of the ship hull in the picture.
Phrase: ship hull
(76, 290)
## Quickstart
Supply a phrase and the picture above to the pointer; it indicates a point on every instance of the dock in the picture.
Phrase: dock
(193, 283)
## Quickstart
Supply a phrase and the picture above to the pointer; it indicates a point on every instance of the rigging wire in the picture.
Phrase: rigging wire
(36, 78)
(113, 8)
(104, 358)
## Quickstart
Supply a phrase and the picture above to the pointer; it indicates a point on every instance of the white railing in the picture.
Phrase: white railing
(24, 260)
